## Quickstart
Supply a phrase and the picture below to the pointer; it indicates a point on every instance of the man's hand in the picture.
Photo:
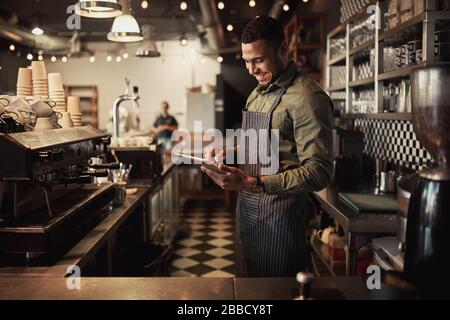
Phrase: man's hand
(219, 155)
(234, 180)
(214, 155)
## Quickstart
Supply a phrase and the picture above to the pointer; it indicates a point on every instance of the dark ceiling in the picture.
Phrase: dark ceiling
(170, 21)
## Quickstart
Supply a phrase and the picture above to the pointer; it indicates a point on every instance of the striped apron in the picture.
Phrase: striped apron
(272, 232)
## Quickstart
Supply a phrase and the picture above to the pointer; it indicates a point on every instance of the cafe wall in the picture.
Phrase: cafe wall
(164, 78)
(9, 64)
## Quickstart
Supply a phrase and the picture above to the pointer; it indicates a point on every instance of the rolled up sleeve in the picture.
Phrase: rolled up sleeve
(313, 124)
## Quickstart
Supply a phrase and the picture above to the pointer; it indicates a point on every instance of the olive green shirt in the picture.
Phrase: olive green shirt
(304, 119)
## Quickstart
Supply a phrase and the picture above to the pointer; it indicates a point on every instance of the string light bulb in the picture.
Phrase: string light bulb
(144, 4)
(219, 59)
(183, 5)
(12, 47)
(53, 59)
(37, 31)
(183, 41)
(252, 3)
(230, 27)
(64, 59)
(221, 5)
(286, 7)
(108, 58)
(30, 56)
(92, 59)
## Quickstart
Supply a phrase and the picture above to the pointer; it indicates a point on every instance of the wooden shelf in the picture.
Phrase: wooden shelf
(379, 116)
(362, 12)
(408, 24)
(299, 46)
(316, 245)
(400, 73)
(362, 47)
(89, 103)
(362, 83)
(340, 87)
(340, 28)
(338, 59)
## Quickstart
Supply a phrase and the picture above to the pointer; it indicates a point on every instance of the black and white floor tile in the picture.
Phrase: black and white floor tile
(209, 249)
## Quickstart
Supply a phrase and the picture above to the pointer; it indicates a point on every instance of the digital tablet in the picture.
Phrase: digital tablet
(203, 161)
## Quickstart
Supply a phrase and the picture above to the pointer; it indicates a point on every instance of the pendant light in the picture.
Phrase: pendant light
(125, 27)
(98, 9)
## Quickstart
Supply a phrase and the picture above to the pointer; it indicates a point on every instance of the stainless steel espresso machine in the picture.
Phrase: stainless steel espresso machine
(47, 200)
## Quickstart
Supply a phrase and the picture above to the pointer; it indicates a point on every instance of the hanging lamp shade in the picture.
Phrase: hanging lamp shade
(98, 9)
(125, 29)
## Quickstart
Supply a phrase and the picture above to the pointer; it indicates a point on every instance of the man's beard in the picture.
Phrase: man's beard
(278, 66)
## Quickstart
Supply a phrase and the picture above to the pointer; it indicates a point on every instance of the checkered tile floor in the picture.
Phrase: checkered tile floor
(208, 250)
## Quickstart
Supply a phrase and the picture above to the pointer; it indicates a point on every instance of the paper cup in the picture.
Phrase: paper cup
(73, 105)
(55, 82)
(39, 70)
(24, 78)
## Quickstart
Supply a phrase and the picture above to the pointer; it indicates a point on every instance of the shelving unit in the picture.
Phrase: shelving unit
(300, 32)
(88, 102)
(404, 116)
(317, 246)
(422, 26)
(362, 47)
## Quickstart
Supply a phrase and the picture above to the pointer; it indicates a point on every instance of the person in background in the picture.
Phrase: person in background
(164, 125)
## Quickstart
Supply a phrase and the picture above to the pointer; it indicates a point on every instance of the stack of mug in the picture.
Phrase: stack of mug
(40, 81)
(73, 107)
(47, 118)
(16, 115)
(24, 83)
(56, 91)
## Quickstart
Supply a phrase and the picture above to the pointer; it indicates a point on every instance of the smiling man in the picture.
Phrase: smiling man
(272, 209)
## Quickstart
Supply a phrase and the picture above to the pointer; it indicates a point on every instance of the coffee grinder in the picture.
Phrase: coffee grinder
(427, 256)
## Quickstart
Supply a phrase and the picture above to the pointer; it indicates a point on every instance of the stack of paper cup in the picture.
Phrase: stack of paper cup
(56, 91)
(73, 107)
(24, 84)
(40, 84)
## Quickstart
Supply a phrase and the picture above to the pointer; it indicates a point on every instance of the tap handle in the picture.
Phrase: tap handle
(305, 280)
(127, 84)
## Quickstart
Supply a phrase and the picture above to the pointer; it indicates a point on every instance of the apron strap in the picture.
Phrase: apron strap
(277, 101)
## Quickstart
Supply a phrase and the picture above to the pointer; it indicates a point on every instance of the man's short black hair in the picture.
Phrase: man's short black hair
(263, 28)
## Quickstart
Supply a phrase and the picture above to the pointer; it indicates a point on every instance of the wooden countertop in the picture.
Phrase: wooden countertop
(117, 289)
(351, 220)
(344, 288)
(176, 289)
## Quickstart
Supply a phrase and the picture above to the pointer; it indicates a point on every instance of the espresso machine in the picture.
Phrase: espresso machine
(47, 199)
(427, 256)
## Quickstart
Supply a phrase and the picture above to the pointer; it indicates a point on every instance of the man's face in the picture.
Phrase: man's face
(164, 107)
(263, 61)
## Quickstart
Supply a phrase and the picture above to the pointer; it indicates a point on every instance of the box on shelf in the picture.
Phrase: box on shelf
(406, 10)
(393, 15)
(419, 7)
